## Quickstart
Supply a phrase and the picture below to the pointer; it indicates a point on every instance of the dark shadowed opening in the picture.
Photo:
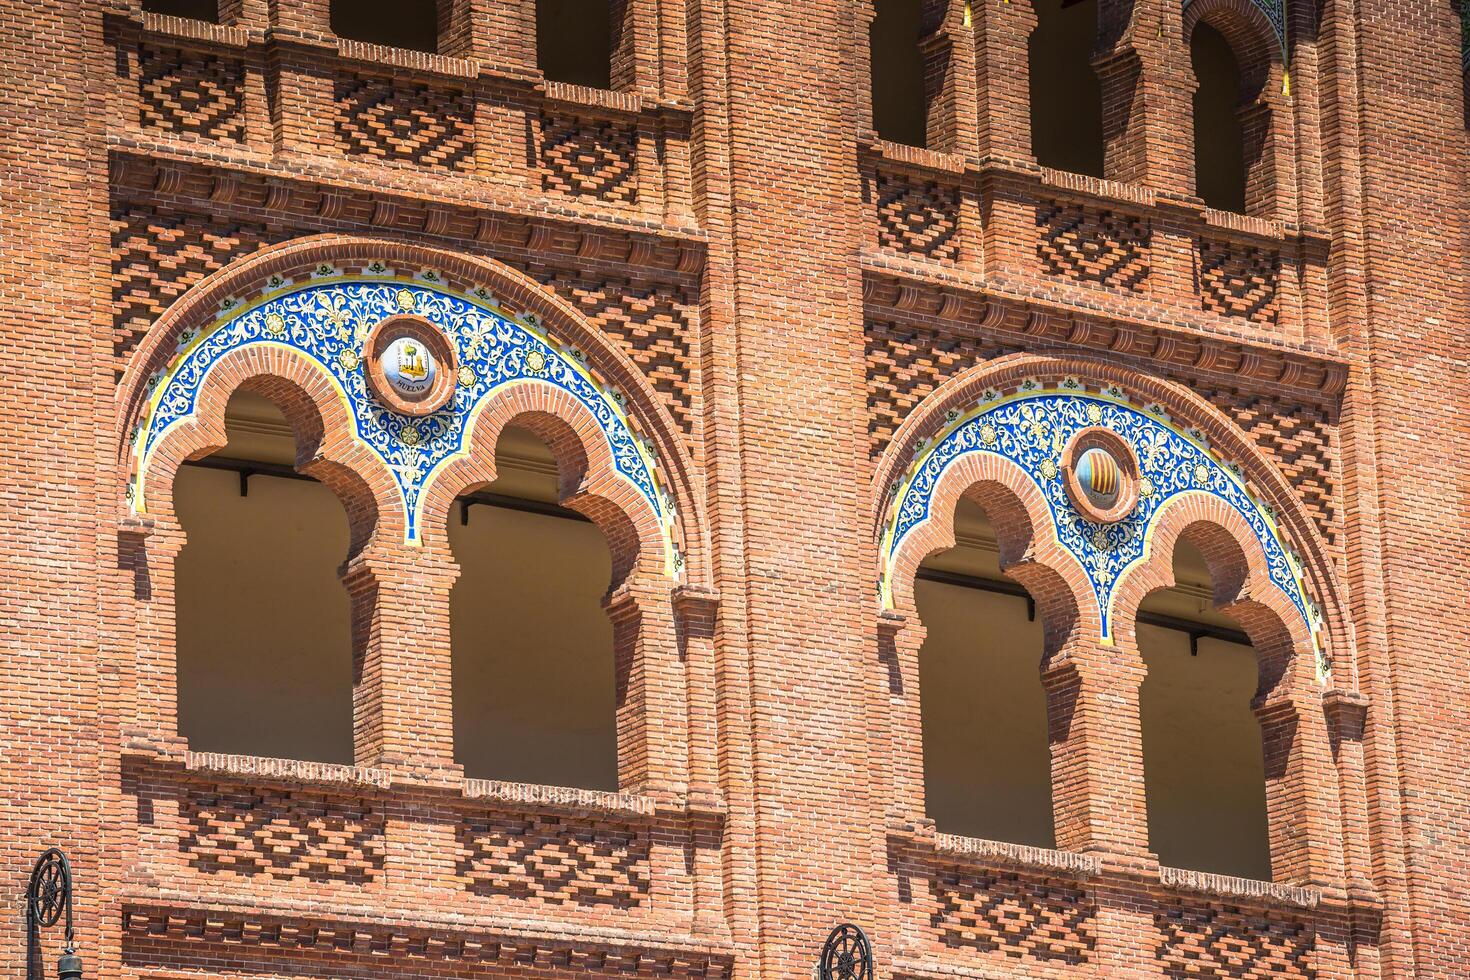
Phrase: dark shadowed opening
(899, 110)
(205, 10)
(1066, 97)
(412, 24)
(574, 41)
(1204, 765)
(535, 696)
(987, 765)
(1219, 140)
(264, 626)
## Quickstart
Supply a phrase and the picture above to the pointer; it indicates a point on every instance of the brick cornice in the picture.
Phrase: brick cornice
(493, 944)
(309, 196)
(1197, 344)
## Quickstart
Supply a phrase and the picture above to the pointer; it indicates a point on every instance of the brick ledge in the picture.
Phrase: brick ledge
(955, 846)
(292, 770)
(1226, 886)
(345, 929)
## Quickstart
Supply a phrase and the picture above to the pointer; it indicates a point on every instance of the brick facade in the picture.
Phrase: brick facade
(789, 312)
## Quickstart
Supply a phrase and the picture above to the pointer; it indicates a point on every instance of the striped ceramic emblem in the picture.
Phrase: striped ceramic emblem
(1098, 472)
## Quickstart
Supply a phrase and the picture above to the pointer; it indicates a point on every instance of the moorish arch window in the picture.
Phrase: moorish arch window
(1203, 758)
(576, 40)
(986, 767)
(1066, 96)
(1151, 537)
(900, 105)
(411, 24)
(1238, 54)
(534, 669)
(264, 624)
(463, 417)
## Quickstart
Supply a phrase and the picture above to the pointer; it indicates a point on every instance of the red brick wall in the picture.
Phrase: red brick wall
(790, 306)
(55, 668)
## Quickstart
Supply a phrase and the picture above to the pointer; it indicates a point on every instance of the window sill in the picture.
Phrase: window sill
(1228, 887)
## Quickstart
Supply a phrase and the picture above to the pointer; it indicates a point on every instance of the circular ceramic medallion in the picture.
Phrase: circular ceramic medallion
(410, 365)
(1102, 475)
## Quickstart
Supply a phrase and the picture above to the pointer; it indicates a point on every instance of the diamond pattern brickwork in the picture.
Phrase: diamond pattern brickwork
(588, 158)
(1239, 280)
(654, 326)
(282, 834)
(184, 91)
(414, 123)
(1301, 439)
(157, 254)
(917, 217)
(555, 860)
(905, 362)
(1229, 944)
(1016, 914)
(1091, 245)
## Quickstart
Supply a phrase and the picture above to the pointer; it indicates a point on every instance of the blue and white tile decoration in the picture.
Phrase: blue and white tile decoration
(1032, 427)
(327, 318)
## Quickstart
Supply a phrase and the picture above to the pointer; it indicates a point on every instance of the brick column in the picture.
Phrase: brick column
(302, 100)
(1302, 803)
(402, 694)
(150, 552)
(1003, 77)
(1096, 737)
(1147, 86)
(652, 710)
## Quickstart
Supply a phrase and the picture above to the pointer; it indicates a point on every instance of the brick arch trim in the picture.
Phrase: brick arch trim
(529, 334)
(1242, 589)
(1005, 407)
(319, 421)
(1254, 29)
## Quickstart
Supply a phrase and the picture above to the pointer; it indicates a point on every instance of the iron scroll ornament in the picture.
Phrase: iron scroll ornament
(48, 898)
(846, 955)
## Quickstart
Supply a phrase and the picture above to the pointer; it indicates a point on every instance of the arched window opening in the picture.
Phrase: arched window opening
(264, 632)
(575, 40)
(1462, 8)
(1204, 766)
(534, 671)
(987, 765)
(205, 10)
(1066, 96)
(1220, 164)
(398, 24)
(900, 107)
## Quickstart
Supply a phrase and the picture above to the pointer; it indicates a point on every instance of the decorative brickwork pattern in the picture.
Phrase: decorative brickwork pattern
(1024, 917)
(183, 91)
(654, 326)
(282, 834)
(904, 364)
(1239, 280)
(157, 255)
(1228, 944)
(591, 158)
(555, 860)
(424, 125)
(1302, 439)
(919, 217)
(1104, 248)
